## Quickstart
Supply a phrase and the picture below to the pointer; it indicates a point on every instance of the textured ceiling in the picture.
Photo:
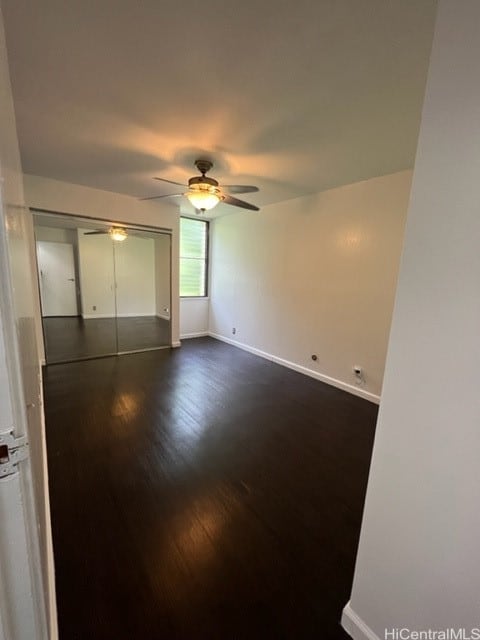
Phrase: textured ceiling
(295, 97)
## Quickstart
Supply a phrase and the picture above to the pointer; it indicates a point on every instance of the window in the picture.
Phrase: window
(193, 257)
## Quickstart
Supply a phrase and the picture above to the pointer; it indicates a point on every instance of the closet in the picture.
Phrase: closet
(105, 288)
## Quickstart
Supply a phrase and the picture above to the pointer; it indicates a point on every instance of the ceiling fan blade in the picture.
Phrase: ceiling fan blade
(94, 233)
(239, 188)
(179, 184)
(239, 203)
(167, 195)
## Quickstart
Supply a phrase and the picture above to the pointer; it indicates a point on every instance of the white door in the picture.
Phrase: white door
(27, 606)
(56, 268)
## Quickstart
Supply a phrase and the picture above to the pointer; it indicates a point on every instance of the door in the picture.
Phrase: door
(26, 590)
(57, 279)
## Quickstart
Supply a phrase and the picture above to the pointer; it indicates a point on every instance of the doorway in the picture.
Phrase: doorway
(57, 278)
(105, 289)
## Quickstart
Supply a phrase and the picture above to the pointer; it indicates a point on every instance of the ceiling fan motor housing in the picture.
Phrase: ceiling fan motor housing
(204, 180)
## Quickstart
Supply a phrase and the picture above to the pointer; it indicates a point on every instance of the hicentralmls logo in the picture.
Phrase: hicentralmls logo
(432, 634)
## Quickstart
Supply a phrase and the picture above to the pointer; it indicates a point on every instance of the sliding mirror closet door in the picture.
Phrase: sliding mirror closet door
(77, 292)
(142, 277)
(105, 288)
(97, 292)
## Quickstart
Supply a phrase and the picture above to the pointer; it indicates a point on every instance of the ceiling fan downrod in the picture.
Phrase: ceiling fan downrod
(203, 166)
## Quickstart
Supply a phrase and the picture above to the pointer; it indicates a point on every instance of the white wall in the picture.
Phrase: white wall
(53, 195)
(142, 270)
(27, 595)
(55, 234)
(314, 275)
(194, 315)
(135, 276)
(130, 264)
(418, 563)
(162, 276)
(97, 284)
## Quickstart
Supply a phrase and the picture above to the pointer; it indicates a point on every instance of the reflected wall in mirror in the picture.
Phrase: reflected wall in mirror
(142, 273)
(101, 296)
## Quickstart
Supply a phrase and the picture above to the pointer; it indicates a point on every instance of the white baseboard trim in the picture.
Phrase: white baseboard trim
(176, 343)
(197, 334)
(163, 317)
(90, 316)
(355, 626)
(136, 315)
(350, 388)
(94, 316)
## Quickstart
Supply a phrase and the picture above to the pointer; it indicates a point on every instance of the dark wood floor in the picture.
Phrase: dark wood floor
(203, 493)
(70, 338)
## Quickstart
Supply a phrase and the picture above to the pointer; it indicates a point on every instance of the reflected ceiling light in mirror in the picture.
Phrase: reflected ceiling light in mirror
(118, 234)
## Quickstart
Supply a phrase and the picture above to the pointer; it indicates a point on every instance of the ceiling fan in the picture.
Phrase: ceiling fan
(205, 193)
(116, 233)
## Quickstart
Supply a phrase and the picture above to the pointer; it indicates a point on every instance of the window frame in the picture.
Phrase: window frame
(206, 259)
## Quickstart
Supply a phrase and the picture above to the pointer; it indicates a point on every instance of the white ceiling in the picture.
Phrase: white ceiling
(295, 97)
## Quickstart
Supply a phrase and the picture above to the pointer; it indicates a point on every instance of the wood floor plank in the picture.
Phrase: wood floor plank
(203, 493)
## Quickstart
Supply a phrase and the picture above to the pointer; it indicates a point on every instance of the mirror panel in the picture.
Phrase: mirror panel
(142, 275)
(78, 310)
(101, 296)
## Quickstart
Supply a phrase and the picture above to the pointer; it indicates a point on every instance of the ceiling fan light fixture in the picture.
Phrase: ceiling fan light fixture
(203, 196)
(118, 234)
(204, 192)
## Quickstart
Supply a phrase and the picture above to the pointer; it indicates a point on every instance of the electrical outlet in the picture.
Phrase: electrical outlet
(358, 373)
(234, 331)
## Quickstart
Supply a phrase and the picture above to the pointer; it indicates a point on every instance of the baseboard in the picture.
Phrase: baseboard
(163, 317)
(176, 343)
(135, 315)
(198, 334)
(355, 626)
(93, 316)
(350, 388)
